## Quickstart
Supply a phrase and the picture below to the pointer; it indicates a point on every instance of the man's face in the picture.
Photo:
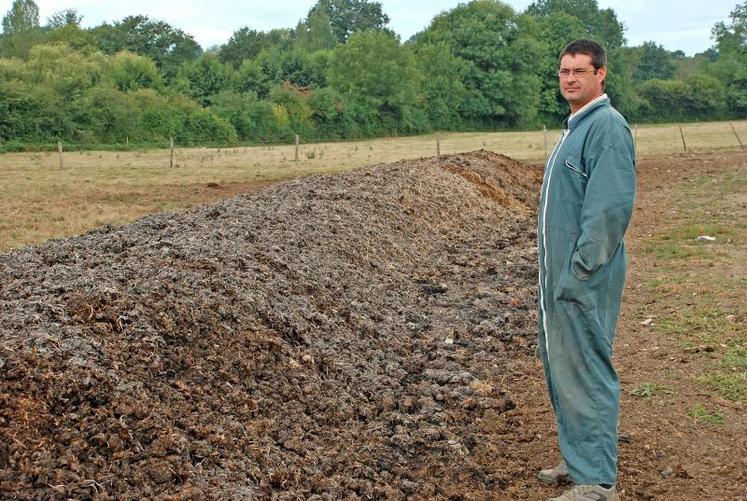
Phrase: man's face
(582, 87)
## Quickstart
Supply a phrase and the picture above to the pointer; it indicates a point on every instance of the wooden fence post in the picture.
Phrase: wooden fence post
(682, 134)
(127, 141)
(171, 144)
(741, 146)
(438, 146)
(59, 150)
(298, 141)
(544, 133)
(635, 140)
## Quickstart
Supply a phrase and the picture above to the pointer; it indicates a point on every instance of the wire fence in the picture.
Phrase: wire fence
(532, 146)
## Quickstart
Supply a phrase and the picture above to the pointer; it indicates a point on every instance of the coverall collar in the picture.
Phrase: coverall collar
(575, 118)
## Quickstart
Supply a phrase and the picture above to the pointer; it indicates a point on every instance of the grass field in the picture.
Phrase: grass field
(39, 201)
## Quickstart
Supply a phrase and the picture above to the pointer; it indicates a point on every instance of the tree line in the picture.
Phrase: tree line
(340, 73)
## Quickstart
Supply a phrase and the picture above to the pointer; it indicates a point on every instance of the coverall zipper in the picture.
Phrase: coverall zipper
(551, 163)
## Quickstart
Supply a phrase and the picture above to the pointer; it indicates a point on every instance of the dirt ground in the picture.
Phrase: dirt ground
(369, 335)
(664, 346)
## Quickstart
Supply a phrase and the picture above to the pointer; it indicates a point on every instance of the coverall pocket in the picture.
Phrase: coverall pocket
(583, 340)
(571, 289)
(574, 165)
(568, 287)
(573, 181)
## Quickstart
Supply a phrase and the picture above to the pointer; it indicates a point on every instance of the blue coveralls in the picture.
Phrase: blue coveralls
(585, 206)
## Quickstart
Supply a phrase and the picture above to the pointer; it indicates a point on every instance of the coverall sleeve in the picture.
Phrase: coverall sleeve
(608, 201)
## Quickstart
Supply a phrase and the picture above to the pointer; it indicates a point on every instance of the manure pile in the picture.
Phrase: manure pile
(329, 337)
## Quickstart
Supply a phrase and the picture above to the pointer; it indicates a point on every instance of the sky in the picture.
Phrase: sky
(676, 24)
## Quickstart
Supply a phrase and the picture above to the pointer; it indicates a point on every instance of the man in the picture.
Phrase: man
(585, 206)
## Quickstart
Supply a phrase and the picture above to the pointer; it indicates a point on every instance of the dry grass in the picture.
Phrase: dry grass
(39, 201)
(701, 136)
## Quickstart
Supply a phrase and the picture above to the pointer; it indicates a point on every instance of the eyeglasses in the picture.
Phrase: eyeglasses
(579, 72)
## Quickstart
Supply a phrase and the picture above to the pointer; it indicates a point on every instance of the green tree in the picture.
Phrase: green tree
(350, 16)
(443, 90)
(664, 100)
(42, 92)
(262, 73)
(732, 38)
(67, 72)
(167, 46)
(159, 117)
(620, 84)
(253, 79)
(74, 37)
(250, 117)
(290, 102)
(21, 29)
(106, 115)
(700, 97)
(502, 82)
(64, 18)
(302, 69)
(64, 27)
(247, 44)
(688, 66)
(31, 113)
(129, 71)
(244, 44)
(599, 24)
(205, 77)
(654, 61)
(328, 113)
(730, 66)
(380, 74)
(315, 33)
(274, 66)
(736, 94)
(706, 98)
(22, 17)
(60, 93)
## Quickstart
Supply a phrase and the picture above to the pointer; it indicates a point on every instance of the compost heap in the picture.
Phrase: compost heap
(328, 337)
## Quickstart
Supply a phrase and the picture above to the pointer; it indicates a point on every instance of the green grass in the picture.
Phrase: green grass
(731, 385)
(680, 285)
(729, 379)
(736, 353)
(649, 390)
(700, 322)
(704, 184)
(701, 415)
(665, 250)
(696, 325)
(668, 282)
(682, 242)
(690, 232)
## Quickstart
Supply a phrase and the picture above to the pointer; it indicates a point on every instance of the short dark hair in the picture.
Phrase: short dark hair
(589, 48)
